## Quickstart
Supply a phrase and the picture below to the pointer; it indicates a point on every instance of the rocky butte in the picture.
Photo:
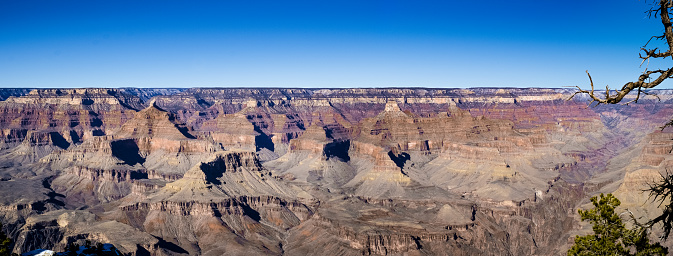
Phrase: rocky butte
(389, 171)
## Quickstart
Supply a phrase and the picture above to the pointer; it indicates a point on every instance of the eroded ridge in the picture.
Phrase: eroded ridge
(319, 171)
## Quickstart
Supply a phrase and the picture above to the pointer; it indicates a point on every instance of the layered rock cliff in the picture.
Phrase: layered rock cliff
(389, 171)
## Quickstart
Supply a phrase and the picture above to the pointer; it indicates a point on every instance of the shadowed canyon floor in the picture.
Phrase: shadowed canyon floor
(320, 171)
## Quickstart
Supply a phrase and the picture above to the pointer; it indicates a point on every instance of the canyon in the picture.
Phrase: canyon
(360, 171)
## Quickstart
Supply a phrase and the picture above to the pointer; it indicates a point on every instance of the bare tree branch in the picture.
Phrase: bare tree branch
(648, 79)
(662, 192)
(670, 123)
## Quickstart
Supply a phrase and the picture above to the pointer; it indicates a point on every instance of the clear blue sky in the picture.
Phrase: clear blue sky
(96, 43)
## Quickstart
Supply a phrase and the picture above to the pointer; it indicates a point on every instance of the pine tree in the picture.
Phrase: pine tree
(5, 244)
(610, 236)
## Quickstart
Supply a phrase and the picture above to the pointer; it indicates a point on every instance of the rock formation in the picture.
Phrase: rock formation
(319, 171)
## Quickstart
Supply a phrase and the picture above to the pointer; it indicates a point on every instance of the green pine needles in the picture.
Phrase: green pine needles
(5, 243)
(610, 236)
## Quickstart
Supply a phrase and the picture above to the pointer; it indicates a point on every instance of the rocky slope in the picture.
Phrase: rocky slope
(319, 171)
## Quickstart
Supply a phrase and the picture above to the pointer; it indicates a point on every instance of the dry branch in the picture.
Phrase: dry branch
(649, 78)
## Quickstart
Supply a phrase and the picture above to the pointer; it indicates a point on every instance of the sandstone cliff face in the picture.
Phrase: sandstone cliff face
(639, 167)
(233, 195)
(155, 139)
(399, 227)
(232, 131)
(319, 171)
(48, 120)
(315, 158)
(57, 229)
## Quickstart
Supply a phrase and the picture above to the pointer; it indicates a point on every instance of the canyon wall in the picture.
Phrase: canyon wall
(391, 171)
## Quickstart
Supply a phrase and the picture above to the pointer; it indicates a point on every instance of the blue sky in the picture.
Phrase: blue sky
(515, 43)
